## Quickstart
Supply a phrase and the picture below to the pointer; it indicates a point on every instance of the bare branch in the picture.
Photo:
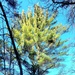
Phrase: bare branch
(11, 36)
(63, 2)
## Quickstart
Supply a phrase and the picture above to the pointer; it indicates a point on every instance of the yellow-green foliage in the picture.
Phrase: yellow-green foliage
(43, 58)
(35, 29)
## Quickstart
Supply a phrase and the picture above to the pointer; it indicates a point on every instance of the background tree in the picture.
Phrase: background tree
(38, 40)
(63, 4)
(4, 19)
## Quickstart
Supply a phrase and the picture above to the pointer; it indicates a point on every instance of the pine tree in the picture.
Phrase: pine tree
(37, 39)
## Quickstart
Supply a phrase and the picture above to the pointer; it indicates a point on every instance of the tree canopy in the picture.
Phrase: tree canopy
(38, 40)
